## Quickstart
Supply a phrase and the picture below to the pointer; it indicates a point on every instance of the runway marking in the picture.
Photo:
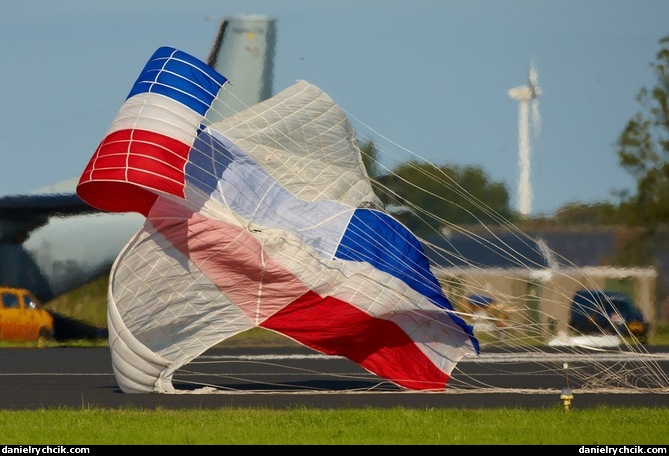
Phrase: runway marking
(58, 374)
(483, 358)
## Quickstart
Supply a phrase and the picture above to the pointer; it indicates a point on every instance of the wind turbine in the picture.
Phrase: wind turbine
(528, 122)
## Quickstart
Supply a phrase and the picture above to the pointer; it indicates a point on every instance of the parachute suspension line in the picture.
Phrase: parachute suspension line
(229, 98)
(419, 210)
(395, 156)
(496, 243)
(229, 87)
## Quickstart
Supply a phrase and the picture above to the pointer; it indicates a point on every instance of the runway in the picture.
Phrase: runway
(285, 377)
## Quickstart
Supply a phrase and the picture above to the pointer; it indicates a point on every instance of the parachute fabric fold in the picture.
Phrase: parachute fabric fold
(264, 219)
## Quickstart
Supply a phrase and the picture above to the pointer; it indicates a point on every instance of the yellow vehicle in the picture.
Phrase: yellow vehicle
(22, 317)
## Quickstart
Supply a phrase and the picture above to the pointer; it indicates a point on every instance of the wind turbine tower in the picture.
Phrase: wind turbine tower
(528, 128)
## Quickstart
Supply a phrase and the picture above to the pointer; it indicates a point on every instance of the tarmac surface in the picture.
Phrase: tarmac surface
(43, 378)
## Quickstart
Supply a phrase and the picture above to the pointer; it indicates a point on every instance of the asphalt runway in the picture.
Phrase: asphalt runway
(34, 378)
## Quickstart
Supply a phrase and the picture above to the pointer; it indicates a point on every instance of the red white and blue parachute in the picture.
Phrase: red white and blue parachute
(264, 219)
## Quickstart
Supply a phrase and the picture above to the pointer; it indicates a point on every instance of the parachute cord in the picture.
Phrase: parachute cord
(260, 283)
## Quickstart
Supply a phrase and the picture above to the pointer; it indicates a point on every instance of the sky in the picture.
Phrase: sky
(430, 75)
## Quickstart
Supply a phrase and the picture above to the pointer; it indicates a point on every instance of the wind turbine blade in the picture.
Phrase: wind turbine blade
(533, 77)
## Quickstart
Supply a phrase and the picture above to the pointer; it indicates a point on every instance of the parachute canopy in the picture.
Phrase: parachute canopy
(265, 219)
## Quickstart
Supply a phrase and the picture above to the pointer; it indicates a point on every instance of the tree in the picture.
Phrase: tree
(600, 213)
(434, 196)
(370, 158)
(643, 149)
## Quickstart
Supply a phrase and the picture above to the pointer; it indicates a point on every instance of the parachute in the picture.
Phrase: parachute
(265, 219)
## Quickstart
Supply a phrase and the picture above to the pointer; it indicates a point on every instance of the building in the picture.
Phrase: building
(533, 276)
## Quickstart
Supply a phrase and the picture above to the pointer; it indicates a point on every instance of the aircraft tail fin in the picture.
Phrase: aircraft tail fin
(243, 51)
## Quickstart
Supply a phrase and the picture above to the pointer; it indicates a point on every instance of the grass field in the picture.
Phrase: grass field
(365, 426)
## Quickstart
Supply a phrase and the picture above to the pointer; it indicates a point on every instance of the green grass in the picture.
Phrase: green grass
(87, 303)
(301, 426)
